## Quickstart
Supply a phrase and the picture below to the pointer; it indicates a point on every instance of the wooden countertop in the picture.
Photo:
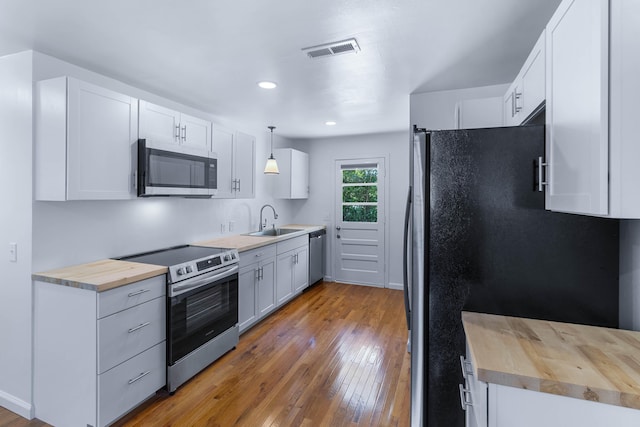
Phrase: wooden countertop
(110, 273)
(585, 362)
(100, 275)
(242, 242)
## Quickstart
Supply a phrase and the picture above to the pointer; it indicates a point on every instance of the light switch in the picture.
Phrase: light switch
(13, 252)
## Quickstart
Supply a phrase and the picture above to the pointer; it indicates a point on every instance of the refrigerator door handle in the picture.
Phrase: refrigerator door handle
(405, 257)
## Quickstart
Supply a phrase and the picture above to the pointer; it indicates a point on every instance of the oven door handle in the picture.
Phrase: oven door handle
(203, 280)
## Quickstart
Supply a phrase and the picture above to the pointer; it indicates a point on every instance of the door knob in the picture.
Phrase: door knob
(338, 228)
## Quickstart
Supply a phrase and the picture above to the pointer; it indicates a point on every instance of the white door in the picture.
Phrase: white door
(360, 221)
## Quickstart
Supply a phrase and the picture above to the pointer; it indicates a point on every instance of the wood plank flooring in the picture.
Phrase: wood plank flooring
(335, 356)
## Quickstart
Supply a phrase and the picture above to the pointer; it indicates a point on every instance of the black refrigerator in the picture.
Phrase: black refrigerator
(478, 238)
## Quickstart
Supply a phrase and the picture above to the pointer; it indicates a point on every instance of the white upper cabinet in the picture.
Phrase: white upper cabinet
(236, 154)
(526, 94)
(84, 139)
(577, 112)
(293, 180)
(592, 91)
(479, 113)
(166, 126)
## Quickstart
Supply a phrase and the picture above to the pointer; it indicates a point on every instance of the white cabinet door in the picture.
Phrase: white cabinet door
(195, 132)
(166, 126)
(83, 141)
(577, 93)
(247, 313)
(301, 270)
(159, 124)
(533, 80)
(509, 106)
(245, 165)
(223, 144)
(293, 180)
(284, 277)
(479, 113)
(102, 128)
(267, 287)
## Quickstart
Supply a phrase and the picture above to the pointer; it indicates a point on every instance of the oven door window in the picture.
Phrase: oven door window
(200, 315)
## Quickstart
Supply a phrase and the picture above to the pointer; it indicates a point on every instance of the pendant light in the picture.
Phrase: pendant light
(271, 168)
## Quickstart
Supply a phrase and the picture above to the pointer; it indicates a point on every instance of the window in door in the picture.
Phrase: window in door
(360, 194)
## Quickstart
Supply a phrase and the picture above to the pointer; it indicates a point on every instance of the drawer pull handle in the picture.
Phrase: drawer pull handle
(139, 377)
(259, 254)
(141, 291)
(467, 369)
(464, 402)
(139, 327)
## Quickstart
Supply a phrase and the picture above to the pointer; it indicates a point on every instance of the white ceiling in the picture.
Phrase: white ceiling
(211, 53)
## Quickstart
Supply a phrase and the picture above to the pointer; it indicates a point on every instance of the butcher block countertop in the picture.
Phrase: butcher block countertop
(585, 362)
(100, 275)
(242, 242)
(110, 273)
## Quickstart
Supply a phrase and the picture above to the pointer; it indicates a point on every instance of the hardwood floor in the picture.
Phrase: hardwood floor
(335, 356)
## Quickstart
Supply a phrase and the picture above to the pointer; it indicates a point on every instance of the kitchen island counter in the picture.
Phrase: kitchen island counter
(584, 362)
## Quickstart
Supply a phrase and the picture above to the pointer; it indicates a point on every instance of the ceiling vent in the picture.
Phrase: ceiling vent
(331, 49)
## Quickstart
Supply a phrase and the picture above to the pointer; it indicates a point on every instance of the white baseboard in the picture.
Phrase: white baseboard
(16, 405)
(397, 286)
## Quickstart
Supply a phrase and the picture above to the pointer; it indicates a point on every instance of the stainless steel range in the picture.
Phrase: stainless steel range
(202, 306)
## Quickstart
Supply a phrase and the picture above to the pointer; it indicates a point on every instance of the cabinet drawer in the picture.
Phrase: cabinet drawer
(258, 254)
(291, 244)
(129, 332)
(121, 298)
(127, 385)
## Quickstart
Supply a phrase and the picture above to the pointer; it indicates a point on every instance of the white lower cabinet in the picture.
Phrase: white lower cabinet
(269, 277)
(494, 405)
(256, 285)
(97, 355)
(292, 274)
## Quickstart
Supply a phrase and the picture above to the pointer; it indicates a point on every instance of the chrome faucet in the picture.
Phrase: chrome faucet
(275, 216)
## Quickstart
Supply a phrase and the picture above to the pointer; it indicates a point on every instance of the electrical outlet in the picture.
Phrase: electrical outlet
(232, 225)
(13, 252)
(222, 228)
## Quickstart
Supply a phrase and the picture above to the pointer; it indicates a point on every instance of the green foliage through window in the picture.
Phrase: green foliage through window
(357, 176)
(360, 195)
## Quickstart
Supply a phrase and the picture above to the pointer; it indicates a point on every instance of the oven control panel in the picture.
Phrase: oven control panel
(193, 268)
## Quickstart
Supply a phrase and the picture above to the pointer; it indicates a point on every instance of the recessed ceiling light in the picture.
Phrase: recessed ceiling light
(267, 85)
(330, 123)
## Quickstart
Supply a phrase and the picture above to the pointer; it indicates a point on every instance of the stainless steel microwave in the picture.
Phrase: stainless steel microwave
(165, 170)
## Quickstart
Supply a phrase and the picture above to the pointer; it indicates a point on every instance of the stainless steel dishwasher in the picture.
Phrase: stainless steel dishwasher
(316, 255)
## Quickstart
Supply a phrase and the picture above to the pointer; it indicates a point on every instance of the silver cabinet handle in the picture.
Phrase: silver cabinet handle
(464, 402)
(140, 326)
(541, 174)
(259, 254)
(184, 134)
(141, 291)
(338, 228)
(177, 131)
(517, 96)
(139, 377)
(467, 369)
(239, 185)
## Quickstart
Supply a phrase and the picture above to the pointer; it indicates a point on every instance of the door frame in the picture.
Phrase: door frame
(332, 233)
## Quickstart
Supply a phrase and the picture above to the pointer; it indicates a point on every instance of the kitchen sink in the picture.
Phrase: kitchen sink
(274, 232)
